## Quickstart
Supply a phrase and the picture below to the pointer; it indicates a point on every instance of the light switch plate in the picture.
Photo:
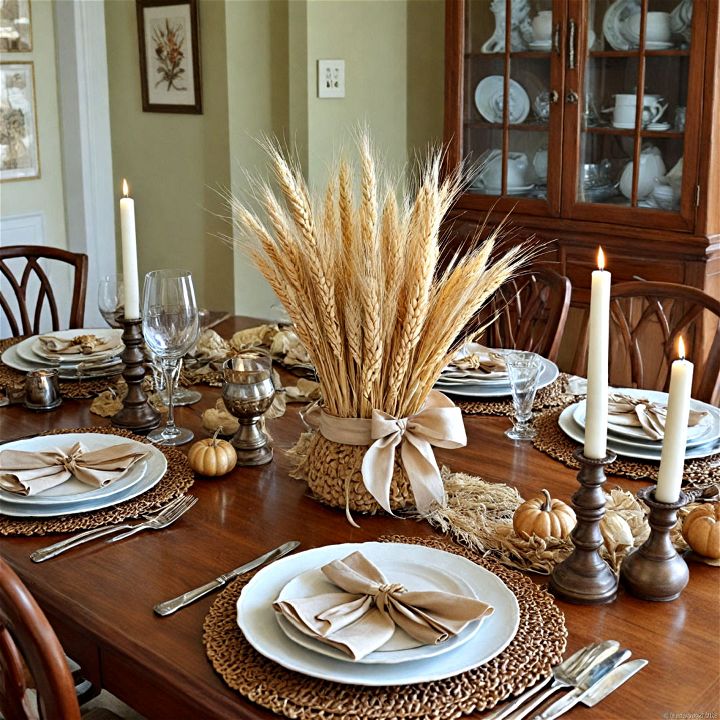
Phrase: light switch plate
(331, 78)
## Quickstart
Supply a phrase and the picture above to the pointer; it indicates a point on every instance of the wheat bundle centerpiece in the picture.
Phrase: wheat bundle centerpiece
(358, 273)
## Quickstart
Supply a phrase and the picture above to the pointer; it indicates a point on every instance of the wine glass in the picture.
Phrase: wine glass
(170, 328)
(523, 371)
(111, 300)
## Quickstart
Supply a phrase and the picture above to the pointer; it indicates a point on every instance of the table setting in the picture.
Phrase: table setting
(360, 616)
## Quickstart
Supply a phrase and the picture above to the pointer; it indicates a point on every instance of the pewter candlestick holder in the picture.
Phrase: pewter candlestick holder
(137, 414)
(248, 392)
(655, 571)
(584, 577)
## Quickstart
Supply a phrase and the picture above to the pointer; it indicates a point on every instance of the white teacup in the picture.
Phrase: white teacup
(542, 26)
(657, 28)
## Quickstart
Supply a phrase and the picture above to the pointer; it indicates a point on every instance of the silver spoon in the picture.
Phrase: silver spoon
(565, 674)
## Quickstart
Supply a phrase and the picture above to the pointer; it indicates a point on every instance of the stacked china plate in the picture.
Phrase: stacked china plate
(73, 496)
(489, 379)
(703, 438)
(401, 660)
(92, 353)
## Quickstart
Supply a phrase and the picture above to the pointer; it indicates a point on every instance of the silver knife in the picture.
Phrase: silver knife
(170, 606)
(596, 692)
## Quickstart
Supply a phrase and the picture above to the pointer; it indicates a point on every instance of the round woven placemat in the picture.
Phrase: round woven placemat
(75, 389)
(538, 645)
(551, 440)
(552, 396)
(177, 480)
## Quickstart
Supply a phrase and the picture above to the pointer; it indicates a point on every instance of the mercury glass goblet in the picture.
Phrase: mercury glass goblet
(523, 371)
(248, 392)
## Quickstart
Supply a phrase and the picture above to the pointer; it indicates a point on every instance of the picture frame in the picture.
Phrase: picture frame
(15, 26)
(19, 150)
(169, 43)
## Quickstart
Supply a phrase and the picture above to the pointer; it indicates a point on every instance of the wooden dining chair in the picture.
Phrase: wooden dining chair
(28, 295)
(529, 313)
(646, 320)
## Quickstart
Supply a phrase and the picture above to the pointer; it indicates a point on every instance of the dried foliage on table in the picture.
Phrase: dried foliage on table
(358, 273)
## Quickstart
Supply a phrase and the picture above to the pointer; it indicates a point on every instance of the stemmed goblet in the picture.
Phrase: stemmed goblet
(523, 371)
(170, 328)
(111, 300)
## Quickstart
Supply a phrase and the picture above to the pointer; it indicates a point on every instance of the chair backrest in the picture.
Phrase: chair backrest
(28, 643)
(530, 312)
(646, 320)
(30, 289)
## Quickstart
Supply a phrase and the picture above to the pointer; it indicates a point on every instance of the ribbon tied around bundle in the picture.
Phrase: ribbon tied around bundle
(364, 617)
(438, 423)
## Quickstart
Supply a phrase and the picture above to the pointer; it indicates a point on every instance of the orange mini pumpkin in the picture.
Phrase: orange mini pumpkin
(544, 517)
(212, 457)
(701, 530)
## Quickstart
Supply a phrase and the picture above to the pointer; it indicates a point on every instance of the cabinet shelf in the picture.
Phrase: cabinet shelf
(671, 52)
(630, 132)
(533, 127)
(533, 54)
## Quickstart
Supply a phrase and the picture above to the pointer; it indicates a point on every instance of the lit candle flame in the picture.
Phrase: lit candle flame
(681, 348)
(601, 259)
(126, 192)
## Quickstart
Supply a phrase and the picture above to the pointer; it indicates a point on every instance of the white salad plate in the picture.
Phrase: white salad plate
(658, 127)
(540, 45)
(255, 617)
(511, 190)
(11, 358)
(615, 20)
(639, 451)
(658, 44)
(548, 373)
(704, 432)
(104, 334)
(72, 497)
(401, 647)
(490, 87)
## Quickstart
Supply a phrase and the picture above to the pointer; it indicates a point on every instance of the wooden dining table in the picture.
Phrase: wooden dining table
(99, 597)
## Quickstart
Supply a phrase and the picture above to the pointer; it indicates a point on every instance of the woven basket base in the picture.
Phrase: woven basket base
(177, 480)
(551, 440)
(538, 645)
(327, 467)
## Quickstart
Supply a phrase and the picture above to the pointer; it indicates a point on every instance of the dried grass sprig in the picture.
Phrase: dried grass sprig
(360, 279)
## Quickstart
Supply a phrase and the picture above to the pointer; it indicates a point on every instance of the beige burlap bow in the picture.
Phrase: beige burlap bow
(30, 473)
(439, 422)
(363, 618)
(642, 413)
(85, 344)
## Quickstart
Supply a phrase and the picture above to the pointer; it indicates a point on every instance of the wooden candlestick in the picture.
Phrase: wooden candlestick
(655, 571)
(137, 414)
(584, 577)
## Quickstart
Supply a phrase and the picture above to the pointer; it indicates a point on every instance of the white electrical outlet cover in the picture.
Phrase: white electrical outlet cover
(331, 78)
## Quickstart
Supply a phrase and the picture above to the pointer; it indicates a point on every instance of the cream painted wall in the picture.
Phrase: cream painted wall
(174, 162)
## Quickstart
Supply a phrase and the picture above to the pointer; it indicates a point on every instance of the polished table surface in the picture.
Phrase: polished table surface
(99, 597)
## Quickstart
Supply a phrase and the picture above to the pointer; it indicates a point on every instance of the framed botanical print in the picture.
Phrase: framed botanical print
(19, 154)
(169, 43)
(15, 26)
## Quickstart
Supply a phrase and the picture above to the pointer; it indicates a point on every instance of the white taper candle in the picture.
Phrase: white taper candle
(129, 255)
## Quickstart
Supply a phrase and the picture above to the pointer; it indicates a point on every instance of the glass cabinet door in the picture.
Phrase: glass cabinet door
(634, 83)
(510, 110)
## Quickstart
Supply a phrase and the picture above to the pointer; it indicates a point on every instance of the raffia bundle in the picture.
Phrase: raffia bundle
(359, 277)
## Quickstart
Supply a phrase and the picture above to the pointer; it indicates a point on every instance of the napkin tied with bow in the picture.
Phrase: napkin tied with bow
(363, 618)
(642, 413)
(30, 473)
(485, 360)
(85, 344)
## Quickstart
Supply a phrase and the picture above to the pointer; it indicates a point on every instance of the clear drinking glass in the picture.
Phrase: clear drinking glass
(523, 371)
(111, 301)
(170, 327)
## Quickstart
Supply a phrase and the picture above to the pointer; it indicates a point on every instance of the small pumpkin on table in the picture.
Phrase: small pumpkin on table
(701, 530)
(544, 517)
(212, 457)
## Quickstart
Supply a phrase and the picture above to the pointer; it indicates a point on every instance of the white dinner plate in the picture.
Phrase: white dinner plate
(401, 647)
(632, 450)
(615, 20)
(492, 190)
(658, 44)
(540, 45)
(548, 373)
(704, 432)
(104, 334)
(11, 358)
(150, 470)
(255, 617)
(489, 87)
(658, 127)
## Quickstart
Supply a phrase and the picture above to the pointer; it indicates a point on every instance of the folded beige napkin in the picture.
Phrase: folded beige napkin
(30, 473)
(485, 360)
(363, 618)
(85, 344)
(642, 413)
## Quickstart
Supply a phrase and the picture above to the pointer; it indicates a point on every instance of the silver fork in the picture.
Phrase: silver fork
(57, 548)
(160, 521)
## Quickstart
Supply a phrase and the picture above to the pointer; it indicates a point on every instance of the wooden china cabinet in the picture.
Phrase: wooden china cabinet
(596, 122)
